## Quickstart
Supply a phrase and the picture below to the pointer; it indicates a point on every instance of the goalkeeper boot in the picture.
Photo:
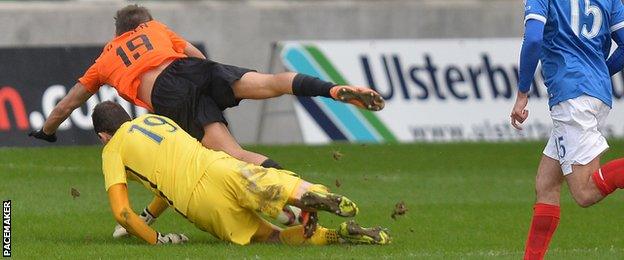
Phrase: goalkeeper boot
(333, 203)
(358, 96)
(352, 232)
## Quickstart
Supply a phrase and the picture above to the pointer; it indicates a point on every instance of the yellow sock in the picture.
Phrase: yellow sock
(322, 236)
(292, 236)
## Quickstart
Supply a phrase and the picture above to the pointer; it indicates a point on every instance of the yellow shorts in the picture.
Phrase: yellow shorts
(229, 196)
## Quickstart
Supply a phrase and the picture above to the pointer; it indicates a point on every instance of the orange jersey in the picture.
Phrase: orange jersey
(129, 55)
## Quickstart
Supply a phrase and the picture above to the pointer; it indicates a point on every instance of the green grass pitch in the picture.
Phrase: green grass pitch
(468, 200)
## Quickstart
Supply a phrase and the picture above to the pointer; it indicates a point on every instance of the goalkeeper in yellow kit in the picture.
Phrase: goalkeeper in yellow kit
(218, 193)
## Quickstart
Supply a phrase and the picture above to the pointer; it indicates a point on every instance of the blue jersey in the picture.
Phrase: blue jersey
(577, 42)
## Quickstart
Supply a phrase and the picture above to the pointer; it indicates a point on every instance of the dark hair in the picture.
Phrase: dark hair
(108, 117)
(130, 17)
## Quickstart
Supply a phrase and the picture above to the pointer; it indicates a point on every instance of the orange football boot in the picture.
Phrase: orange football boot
(358, 96)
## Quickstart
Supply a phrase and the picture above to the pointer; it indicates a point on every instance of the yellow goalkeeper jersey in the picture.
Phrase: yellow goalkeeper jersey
(155, 151)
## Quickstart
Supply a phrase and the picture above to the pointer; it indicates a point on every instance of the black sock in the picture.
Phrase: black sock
(307, 86)
(268, 163)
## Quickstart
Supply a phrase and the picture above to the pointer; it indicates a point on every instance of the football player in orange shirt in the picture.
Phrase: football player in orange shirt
(151, 66)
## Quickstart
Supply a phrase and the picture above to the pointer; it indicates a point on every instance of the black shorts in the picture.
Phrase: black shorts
(194, 92)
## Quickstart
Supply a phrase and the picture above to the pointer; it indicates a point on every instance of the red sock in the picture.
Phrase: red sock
(545, 221)
(610, 177)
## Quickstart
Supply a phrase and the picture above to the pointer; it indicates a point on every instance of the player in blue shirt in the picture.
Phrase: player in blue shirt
(572, 39)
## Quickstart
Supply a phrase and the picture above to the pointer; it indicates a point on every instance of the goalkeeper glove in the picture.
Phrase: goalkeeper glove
(39, 134)
(120, 231)
(171, 239)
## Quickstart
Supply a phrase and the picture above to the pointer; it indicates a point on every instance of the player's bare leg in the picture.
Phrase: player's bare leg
(546, 210)
(548, 181)
(218, 137)
(582, 186)
(254, 85)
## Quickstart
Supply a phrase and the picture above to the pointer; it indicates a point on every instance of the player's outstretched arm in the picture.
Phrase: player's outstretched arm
(615, 63)
(77, 96)
(118, 197)
(149, 215)
(192, 51)
(120, 205)
(157, 206)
